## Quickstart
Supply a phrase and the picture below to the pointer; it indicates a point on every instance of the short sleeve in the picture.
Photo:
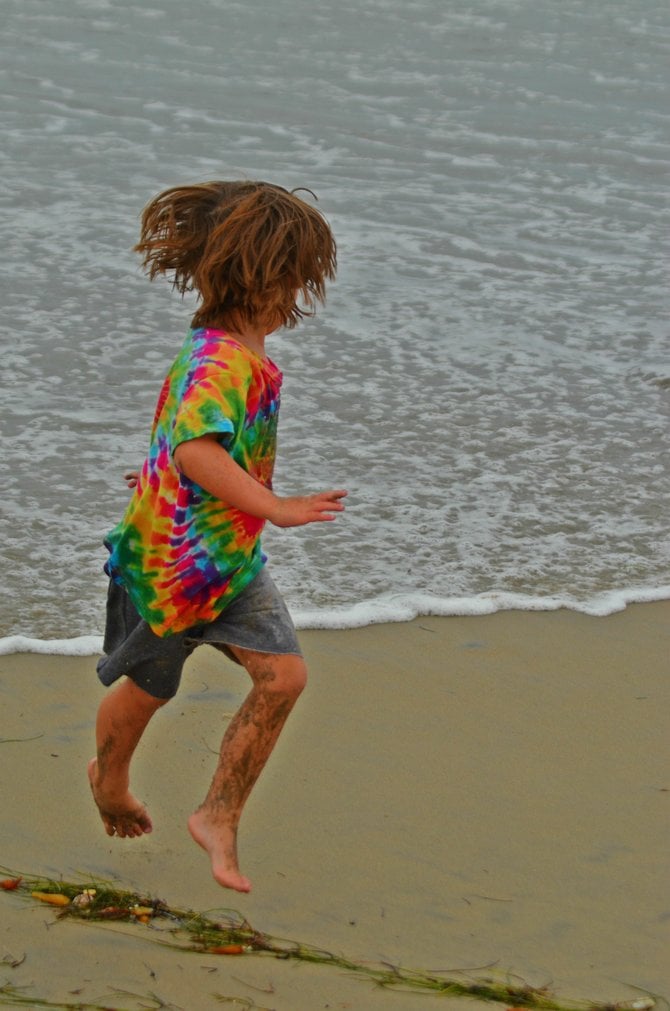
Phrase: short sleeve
(213, 404)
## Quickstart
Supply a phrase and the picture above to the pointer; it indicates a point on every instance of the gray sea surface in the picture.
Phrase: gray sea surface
(490, 376)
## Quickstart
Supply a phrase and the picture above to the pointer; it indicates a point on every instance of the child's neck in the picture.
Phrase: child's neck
(251, 337)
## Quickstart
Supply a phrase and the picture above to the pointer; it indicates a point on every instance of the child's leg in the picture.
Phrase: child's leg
(122, 718)
(246, 747)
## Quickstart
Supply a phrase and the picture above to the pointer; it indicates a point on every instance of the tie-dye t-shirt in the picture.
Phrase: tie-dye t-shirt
(181, 553)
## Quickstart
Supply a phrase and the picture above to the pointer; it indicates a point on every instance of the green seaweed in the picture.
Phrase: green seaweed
(225, 931)
(13, 996)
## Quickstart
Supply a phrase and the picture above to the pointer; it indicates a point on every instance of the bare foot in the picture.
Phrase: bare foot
(122, 815)
(220, 841)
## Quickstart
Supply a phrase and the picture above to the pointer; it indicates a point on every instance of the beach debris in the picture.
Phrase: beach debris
(14, 962)
(140, 911)
(639, 1004)
(229, 933)
(114, 913)
(241, 1002)
(12, 996)
(10, 884)
(19, 740)
(52, 898)
(84, 899)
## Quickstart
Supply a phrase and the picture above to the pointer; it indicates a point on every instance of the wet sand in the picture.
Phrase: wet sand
(451, 793)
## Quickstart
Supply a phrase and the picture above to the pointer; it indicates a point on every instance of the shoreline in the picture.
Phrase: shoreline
(451, 792)
(386, 609)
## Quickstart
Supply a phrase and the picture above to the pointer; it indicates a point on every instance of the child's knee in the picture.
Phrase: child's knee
(282, 675)
(296, 676)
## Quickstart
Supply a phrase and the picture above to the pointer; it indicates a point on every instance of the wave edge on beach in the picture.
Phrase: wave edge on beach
(388, 607)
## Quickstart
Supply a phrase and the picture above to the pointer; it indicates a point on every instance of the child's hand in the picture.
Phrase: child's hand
(297, 510)
(131, 478)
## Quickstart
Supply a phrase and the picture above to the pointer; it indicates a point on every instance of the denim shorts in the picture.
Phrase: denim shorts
(257, 619)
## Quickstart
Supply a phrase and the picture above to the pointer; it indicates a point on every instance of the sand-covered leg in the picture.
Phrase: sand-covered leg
(122, 719)
(245, 749)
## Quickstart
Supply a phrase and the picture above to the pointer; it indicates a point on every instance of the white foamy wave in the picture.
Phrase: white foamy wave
(394, 607)
(82, 645)
(387, 607)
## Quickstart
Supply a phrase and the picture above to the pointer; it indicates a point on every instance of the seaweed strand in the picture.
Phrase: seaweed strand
(226, 932)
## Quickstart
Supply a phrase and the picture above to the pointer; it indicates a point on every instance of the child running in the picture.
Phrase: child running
(185, 562)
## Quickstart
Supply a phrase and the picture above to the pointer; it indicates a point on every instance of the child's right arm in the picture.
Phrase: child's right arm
(208, 464)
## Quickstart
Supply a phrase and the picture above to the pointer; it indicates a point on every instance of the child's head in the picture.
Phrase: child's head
(251, 250)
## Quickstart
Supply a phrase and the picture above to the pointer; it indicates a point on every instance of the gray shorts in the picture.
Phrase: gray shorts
(257, 619)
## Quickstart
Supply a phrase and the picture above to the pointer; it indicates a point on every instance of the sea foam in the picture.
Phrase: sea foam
(388, 607)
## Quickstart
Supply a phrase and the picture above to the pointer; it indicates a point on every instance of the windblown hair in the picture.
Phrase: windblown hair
(253, 251)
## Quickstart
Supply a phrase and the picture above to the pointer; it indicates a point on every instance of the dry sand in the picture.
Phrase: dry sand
(450, 793)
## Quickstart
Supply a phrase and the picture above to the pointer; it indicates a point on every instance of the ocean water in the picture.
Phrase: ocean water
(490, 376)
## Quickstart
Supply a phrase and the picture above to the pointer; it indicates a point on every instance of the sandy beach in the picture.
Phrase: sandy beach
(451, 793)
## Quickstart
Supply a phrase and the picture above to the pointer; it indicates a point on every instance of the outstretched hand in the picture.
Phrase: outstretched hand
(237, 488)
(297, 510)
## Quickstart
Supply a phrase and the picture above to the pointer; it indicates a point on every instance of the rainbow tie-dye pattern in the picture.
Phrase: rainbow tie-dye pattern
(181, 553)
